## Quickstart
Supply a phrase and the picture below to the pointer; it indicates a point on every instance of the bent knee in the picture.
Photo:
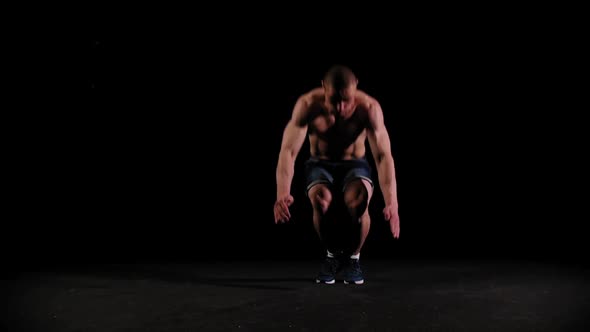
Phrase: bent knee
(320, 197)
(355, 193)
(356, 197)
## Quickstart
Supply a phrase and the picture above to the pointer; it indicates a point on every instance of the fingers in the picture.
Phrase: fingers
(285, 209)
(395, 229)
(284, 216)
(393, 219)
(281, 210)
(281, 216)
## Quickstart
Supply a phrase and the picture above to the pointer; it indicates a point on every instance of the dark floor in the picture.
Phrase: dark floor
(276, 296)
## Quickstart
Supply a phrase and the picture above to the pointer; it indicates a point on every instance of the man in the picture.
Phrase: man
(338, 119)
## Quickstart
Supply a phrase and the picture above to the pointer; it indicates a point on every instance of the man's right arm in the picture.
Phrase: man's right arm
(293, 138)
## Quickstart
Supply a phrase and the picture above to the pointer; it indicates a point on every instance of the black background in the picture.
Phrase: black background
(171, 149)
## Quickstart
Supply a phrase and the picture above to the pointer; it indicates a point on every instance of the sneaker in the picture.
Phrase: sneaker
(328, 271)
(353, 273)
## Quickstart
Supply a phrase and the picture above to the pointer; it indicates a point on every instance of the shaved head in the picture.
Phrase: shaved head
(340, 89)
(339, 77)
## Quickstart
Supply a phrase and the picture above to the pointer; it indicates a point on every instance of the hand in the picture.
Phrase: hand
(391, 215)
(281, 209)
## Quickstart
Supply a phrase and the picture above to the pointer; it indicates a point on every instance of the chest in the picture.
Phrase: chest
(330, 126)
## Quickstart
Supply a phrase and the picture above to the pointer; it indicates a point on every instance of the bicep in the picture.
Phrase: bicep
(296, 129)
(378, 136)
(293, 137)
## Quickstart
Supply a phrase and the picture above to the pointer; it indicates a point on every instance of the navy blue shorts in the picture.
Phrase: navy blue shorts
(336, 174)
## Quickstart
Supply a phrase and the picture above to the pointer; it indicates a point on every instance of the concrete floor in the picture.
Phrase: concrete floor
(259, 295)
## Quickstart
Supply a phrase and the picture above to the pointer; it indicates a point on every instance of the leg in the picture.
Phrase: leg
(357, 195)
(365, 226)
(319, 181)
(320, 197)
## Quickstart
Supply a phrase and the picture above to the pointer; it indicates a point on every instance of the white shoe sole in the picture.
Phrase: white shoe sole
(333, 281)
(359, 282)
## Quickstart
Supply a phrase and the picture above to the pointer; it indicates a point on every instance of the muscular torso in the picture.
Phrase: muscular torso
(334, 137)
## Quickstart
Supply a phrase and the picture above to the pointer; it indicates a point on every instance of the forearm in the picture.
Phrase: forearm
(284, 174)
(387, 181)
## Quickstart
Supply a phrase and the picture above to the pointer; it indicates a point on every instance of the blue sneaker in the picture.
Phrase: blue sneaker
(353, 273)
(328, 271)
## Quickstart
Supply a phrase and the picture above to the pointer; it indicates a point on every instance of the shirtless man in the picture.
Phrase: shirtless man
(338, 119)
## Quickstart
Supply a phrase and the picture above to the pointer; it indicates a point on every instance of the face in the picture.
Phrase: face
(340, 101)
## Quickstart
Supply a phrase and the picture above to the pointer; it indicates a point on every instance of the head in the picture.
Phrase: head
(339, 85)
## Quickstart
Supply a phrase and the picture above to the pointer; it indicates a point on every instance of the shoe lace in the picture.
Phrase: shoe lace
(355, 267)
(330, 265)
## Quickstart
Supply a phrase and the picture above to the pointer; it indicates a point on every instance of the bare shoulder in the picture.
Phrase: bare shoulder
(310, 100)
(306, 104)
(312, 97)
(368, 105)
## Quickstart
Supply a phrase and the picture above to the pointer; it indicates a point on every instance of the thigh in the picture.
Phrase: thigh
(358, 180)
(319, 193)
(316, 174)
(358, 189)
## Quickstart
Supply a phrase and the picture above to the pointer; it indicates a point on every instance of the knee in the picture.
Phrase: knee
(356, 199)
(321, 199)
(356, 206)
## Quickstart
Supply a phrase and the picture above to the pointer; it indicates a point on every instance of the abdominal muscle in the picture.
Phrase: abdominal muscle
(322, 149)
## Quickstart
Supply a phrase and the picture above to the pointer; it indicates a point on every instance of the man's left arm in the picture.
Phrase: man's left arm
(381, 148)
